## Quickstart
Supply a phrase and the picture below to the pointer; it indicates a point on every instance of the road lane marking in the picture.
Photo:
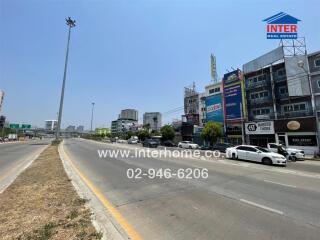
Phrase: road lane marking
(132, 233)
(262, 206)
(282, 184)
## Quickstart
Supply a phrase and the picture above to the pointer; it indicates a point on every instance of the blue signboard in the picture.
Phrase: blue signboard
(231, 77)
(214, 109)
(233, 101)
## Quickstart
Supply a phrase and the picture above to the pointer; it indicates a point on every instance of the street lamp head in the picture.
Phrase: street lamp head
(300, 64)
(71, 23)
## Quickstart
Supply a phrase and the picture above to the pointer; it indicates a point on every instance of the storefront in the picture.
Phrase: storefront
(297, 133)
(260, 133)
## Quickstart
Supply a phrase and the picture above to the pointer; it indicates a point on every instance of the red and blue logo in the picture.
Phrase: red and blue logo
(282, 26)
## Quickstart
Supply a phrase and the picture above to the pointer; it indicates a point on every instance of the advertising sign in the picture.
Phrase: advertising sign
(253, 128)
(214, 110)
(231, 77)
(282, 26)
(233, 101)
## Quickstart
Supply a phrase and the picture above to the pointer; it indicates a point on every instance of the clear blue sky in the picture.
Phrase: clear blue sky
(128, 53)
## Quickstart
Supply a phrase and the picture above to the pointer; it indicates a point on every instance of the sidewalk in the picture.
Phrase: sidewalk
(42, 204)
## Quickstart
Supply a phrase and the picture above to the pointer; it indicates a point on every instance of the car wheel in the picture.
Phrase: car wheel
(233, 156)
(267, 161)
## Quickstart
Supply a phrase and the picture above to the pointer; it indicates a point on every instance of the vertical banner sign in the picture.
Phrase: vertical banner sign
(233, 99)
(214, 110)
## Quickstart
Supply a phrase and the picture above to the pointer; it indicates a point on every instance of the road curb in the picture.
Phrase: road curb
(102, 220)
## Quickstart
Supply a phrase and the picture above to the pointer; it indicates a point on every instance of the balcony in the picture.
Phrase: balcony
(279, 78)
(295, 114)
(259, 101)
(282, 96)
(265, 83)
(269, 116)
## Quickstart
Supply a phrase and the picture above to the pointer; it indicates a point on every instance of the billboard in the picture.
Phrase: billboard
(233, 102)
(253, 128)
(231, 77)
(214, 110)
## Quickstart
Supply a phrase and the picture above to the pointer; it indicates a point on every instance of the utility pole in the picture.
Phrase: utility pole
(92, 115)
(71, 23)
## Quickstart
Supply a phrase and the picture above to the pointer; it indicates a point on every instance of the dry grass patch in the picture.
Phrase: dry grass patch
(42, 204)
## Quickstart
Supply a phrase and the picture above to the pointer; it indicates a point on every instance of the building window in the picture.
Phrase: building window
(259, 95)
(318, 83)
(261, 111)
(317, 62)
(283, 90)
(295, 107)
(281, 72)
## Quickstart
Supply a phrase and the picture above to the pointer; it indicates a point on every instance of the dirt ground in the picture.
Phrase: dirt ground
(42, 204)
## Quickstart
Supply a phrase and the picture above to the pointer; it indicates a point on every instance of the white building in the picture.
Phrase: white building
(131, 114)
(153, 119)
(51, 125)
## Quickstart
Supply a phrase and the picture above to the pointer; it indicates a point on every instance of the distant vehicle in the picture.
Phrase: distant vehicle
(205, 147)
(291, 153)
(168, 143)
(221, 147)
(12, 137)
(133, 141)
(151, 143)
(188, 144)
(255, 154)
(121, 141)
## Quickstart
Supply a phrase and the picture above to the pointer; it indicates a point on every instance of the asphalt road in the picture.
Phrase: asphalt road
(15, 156)
(238, 200)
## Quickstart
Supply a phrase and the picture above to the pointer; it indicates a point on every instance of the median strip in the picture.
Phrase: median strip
(42, 204)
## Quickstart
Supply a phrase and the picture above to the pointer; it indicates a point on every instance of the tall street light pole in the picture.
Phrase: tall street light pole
(71, 23)
(92, 114)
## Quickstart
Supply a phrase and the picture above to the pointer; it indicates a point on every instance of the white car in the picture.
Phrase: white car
(293, 153)
(255, 154)
(188, 144)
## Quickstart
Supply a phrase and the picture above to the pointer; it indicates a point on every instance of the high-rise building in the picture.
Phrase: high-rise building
(153, 119)
(80, 129)
(71, 128)
(130, 114)
(51, 125)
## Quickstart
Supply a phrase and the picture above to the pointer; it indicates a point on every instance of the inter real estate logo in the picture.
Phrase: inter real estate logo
(282, 26)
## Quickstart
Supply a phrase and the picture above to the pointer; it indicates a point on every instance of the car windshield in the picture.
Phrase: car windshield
(262, 149)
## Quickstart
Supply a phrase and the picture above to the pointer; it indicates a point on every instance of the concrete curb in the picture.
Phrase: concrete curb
(101, 219)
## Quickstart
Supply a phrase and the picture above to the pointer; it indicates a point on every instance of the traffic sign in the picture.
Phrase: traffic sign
(14, 125)
(25, 126)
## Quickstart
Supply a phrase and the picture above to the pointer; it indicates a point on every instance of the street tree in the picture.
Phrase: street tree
(211, 132)
(167, 132)
(143, 134)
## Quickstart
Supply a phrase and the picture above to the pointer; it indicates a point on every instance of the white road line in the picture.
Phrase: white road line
(261, 206)
(282, 184)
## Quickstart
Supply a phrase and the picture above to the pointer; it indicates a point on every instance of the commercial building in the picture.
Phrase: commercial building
(314, 69)
(279, 100)
(71, 128)
(214, 103)
(103, 131)
(131, 114)
(80, 129)
(122, 126)
(153, 119)
(51, 125)
(191, 105)
(234, 105)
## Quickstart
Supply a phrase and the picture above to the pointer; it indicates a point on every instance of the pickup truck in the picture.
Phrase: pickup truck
(292, 153)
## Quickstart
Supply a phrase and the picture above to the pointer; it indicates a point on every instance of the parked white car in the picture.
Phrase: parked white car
(188, 144)
(293, 153)
(255, 154)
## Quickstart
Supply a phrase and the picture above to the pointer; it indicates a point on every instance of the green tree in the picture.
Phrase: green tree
(211, 132)
(143, 134)
(167, 132)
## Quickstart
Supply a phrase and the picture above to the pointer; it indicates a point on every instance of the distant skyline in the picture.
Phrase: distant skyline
(128, 54)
